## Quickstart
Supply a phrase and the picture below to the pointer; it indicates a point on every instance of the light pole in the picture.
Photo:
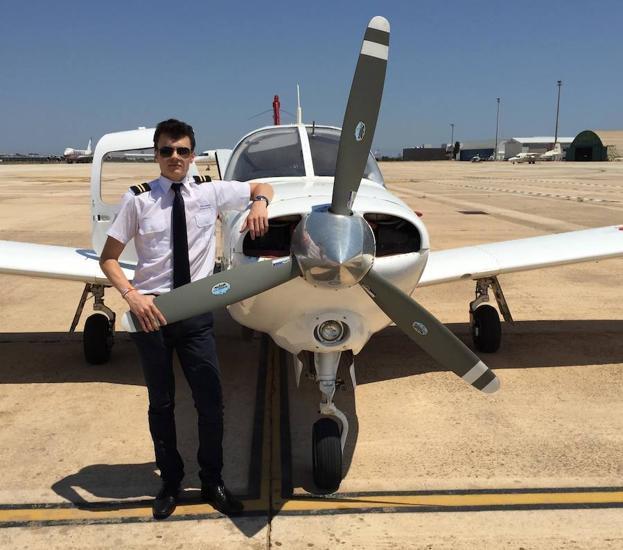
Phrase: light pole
(452, 134)
(497, 126)
(557, 112)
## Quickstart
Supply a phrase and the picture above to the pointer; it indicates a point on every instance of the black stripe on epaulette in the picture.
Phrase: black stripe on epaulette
(140, 188)
(202, 179)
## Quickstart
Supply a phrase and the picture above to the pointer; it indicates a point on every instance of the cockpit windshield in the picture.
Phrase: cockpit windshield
(324, 144)
(270, 153)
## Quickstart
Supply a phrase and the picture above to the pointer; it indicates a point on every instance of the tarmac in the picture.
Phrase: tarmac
(430, 463)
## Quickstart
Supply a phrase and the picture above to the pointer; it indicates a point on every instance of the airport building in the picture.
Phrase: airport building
(427, 152)
(596, 145)
(480, 149)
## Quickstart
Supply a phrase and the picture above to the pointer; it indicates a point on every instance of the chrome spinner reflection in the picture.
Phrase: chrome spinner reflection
(333, 250)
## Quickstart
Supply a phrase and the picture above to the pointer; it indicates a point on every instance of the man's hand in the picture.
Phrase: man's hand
(257, 220)
(146, 311)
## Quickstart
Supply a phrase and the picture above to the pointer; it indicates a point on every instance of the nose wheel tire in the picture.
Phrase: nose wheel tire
(486, 329)
(327, 455)
(97, 339)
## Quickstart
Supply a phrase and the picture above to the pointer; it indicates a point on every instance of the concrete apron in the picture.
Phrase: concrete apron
(531, 466)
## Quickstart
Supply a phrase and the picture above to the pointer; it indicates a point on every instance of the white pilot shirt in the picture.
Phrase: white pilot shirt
(147, 219)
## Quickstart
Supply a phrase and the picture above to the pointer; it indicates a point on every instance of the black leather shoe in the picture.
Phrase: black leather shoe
(217, 495)
(166, 500)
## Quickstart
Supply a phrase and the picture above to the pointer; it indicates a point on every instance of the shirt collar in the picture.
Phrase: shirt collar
(165, 183)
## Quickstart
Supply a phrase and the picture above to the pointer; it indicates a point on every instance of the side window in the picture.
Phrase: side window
(324, 144)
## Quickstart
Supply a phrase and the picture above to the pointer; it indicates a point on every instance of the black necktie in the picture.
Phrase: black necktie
(181, 265)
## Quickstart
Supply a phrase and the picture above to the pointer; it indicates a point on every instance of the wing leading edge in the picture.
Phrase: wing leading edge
(54, 262)
(488, 260)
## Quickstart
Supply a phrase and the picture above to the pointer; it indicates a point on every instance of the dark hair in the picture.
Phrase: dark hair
(175, 129)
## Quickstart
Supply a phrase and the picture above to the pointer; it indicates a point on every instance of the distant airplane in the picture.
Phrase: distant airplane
(554, 154)
(530, 158)
(78, 155)
(147, 157)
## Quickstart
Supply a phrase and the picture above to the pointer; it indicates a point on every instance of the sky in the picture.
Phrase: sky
(74, 70)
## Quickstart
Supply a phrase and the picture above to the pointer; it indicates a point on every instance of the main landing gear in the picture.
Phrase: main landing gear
(99, 328)
(484, 319)
(328, 435)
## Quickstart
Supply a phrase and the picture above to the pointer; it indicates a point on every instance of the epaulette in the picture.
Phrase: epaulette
(202, 179)
(140, 188)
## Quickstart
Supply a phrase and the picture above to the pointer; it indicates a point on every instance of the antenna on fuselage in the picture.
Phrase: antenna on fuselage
(299, 111)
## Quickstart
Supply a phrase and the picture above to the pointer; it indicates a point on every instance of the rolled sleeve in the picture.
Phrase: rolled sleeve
(125, 225)
(232, 195)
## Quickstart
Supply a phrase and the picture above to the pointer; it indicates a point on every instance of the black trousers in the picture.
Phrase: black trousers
(193, 341)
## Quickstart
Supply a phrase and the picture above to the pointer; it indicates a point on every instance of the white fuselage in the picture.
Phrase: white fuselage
(291, 312)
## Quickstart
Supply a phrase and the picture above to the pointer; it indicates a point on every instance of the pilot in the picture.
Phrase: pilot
(172, 221)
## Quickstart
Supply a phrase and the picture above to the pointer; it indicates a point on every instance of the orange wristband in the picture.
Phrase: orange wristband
(127, 291)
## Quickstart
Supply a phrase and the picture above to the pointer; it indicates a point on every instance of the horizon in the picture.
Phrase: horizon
(69, 81)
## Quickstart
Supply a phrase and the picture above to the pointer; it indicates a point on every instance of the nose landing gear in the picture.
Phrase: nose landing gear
(328, 440)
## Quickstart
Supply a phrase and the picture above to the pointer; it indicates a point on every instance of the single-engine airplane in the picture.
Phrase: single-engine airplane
(340, 261)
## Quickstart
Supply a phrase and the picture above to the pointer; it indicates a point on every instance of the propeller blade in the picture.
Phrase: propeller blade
(429, 333)
(361, 115)
(219, 290)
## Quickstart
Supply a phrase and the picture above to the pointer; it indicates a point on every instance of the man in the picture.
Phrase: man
(172, 221)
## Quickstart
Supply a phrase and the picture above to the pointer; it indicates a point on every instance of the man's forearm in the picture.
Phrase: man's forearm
(115, 274)
(258, 188)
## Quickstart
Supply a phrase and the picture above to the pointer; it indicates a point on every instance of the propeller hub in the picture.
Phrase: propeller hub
(333, 250)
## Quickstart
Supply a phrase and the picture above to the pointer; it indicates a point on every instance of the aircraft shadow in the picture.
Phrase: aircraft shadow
(391, 355)
(525, 344)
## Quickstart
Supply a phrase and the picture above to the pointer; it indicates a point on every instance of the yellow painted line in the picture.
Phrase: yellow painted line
(275, 412)
(452, 501)
(30, 515)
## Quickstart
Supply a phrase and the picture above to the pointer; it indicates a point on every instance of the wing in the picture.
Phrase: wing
(54, 262)
(487, 260)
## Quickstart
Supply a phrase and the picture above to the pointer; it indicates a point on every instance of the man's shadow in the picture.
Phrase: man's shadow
(106, 486)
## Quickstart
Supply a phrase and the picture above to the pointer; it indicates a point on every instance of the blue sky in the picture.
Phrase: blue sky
(72, 70)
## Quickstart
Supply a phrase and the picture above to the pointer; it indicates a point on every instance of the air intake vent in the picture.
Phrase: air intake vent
(393, 235)
(276, 242)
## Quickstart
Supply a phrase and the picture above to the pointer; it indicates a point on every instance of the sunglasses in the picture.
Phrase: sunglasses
(167, 151)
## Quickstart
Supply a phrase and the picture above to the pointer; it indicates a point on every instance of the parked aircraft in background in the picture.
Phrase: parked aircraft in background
(78, 155)
(530, 158)
(553, 154)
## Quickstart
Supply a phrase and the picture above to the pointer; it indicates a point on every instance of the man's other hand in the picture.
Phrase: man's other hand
(257, 220)
(145, 311)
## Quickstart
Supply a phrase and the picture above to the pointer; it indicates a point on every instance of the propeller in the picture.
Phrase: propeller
(429, 333)
(335, 247)
(219, 290)
(362, 112)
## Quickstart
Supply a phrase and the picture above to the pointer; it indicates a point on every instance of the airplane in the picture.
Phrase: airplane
(553, 154)
(342, 259)
(530, 158)
(78, 155)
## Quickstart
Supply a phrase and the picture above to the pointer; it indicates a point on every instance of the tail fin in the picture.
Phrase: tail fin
(89, 147)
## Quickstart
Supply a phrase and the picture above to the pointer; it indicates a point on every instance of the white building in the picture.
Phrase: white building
(536, 144)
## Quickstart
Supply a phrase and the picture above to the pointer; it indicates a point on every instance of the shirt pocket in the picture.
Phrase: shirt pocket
(205, 218)
(151, 227)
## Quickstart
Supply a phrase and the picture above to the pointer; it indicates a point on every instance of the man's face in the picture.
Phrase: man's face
(173, 166)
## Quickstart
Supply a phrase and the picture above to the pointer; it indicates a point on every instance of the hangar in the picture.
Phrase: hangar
(596, 145)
